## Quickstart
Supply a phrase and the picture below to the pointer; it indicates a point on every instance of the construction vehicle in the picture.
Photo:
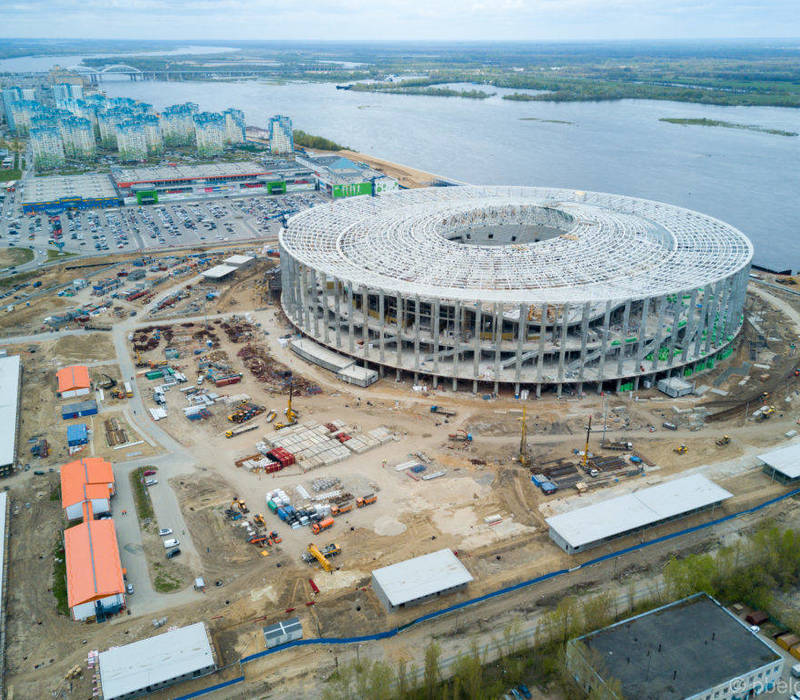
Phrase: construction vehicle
(110, 383)
(460, 436)
(323, 524)
(586, 447)
(446, 412)
(336, 511)
(233, 432)
(271, 416)
(524, 459)
(141, 362)
(275, 537)
(331, 550)
(314, 551)
(681, 450)
(40, 449)
(764, 396)
(259, 540)
(618, 445)
(767, 411)
(366, 500)
(258, 519)
(724, 440)
(244, 412)
(291, 414)
(240, 504)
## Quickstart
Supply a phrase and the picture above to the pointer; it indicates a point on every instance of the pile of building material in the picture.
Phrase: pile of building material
(115, 433)
(311, 443)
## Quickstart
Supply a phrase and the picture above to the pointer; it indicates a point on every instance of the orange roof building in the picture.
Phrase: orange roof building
(94, 570)
(89, 479)
(73, 381)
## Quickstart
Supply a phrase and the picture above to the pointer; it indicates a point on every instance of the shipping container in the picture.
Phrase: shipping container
(78, 410)
(757, 617)
(787, 641)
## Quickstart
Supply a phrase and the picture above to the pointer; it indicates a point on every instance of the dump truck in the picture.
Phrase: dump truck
(448, 413)
(366, 500)
(323, 524)
(340, 510)
(233, 432)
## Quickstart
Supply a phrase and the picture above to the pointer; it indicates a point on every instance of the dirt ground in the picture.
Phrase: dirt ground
(406, 176)
(411, 517)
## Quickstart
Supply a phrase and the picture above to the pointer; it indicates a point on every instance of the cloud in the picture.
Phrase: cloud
(398, 19)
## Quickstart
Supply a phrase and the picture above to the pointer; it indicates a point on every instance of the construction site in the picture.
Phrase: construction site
(287, 486)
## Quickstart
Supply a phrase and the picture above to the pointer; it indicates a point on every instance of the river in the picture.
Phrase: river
(749, 179)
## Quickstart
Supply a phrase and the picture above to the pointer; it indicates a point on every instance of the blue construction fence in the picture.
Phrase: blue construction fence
(393, 632)
(517, 586)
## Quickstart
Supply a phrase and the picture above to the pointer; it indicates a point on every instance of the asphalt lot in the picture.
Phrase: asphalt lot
(154, 227)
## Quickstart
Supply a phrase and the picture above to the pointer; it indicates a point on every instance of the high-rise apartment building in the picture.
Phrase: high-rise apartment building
(209, 132)
(234, 126)
(281, 139)
(177, 124)
(48, 147)
(131, 140)
(78, 136)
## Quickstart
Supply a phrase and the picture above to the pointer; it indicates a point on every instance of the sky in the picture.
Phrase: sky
(345, 20)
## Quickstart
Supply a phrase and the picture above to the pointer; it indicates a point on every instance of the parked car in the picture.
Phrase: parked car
(150, 482)
(164, 531)
(129, 588)
(522, 688)
(172, 542)
(173, 553)
(149, 472)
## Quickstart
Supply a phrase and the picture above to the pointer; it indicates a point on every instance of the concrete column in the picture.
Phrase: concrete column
(365, 314)
(691, 325)
(540, 359)
(601, 368)
(416, 332)
(522, 332)
(563, 348)
(587, 310)
(659, 331)
(498, 339)
(337, 305)
(456, 343)
(306, 301)
(351, 309)
(382, 326)
(399, 312)
(476, 345)
(314, 299)
(712, 313)
(626, 317)
(435, 336)
(642, 334)
(326, 297)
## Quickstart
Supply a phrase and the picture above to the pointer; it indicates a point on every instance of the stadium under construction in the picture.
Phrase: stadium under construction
(532, 287)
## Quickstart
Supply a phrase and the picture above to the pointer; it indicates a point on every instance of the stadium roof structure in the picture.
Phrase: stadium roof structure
(606, 519)
(600, 247)
(9, 405)
(131, 668)
(218, 272)
(421, 576)
(785, 460)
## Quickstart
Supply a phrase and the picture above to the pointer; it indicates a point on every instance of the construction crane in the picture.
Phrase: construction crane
(586, 448)
(524, 460)
(291, 414)
(313, 550)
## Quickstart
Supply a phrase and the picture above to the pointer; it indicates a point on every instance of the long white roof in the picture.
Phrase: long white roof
(133, 667)
(609, 247)
(785, 460)
(421, 576)
(602, 520)
(9, 401)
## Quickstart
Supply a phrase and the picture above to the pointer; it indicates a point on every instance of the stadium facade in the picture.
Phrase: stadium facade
(532, 287)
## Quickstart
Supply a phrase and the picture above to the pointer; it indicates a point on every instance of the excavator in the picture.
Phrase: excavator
(681, 450)
(313, 550)
(291, 414)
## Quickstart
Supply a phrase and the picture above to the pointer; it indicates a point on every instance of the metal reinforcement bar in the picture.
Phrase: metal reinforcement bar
(518, 586)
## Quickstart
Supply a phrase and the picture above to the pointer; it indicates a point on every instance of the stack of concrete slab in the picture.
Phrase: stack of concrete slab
(360, 443)
(315, 445)
(310, 443)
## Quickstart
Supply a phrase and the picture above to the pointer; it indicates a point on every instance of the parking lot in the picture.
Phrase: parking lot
(156, 227)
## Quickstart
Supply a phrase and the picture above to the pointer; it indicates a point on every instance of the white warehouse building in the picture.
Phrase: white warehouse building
(420, 579)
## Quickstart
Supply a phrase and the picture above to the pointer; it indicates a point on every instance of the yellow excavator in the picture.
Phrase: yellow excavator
(681, 449)
(313, 550)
